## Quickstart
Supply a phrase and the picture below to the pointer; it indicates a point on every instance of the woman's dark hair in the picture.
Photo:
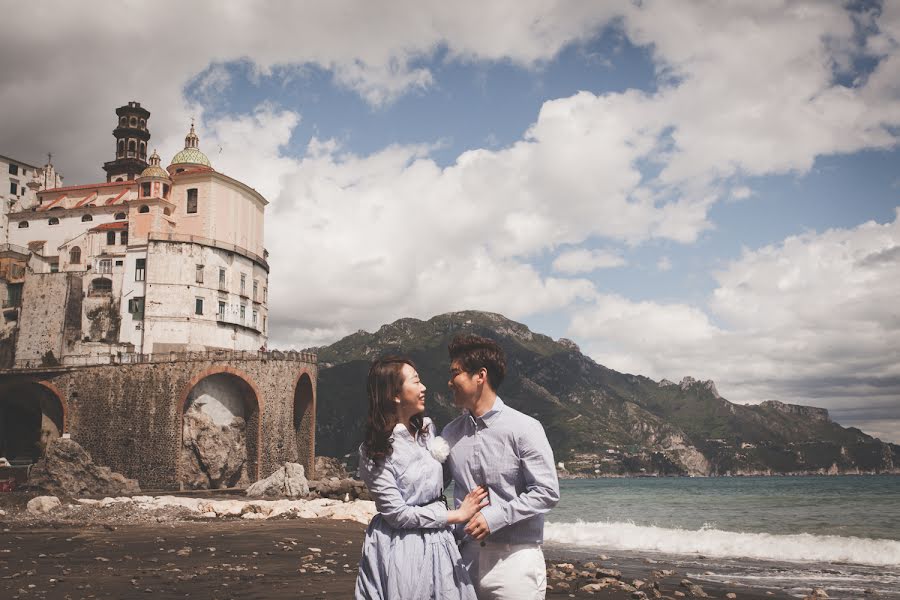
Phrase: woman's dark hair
(474, 352)
(383, 384)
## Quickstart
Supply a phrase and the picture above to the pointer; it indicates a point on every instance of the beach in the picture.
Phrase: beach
(283, 558)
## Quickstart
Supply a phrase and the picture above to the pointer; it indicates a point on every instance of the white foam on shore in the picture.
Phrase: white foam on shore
(801, 547)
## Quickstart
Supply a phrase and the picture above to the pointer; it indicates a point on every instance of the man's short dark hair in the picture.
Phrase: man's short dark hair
(474, 352)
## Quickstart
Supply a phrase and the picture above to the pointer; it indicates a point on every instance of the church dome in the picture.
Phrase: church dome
(154, 170)
(191, 155)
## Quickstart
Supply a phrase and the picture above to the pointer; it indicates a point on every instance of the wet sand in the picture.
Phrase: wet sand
(223, 559)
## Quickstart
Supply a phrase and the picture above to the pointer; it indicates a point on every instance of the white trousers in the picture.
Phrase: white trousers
(506, 571)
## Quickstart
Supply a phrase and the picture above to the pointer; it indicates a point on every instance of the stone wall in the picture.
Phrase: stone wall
(43, 315)
(129, 416)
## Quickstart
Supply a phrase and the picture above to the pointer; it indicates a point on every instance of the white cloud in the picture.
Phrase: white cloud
(741, 193)
(581, 260)
(664, 264)
(813, 319)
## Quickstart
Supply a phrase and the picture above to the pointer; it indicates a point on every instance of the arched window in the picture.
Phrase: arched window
(120, 216)
(53, 221)
(121, 147)
(101, 287)
(144, 209)
(143, 150)
(23, 224)
(123, 121)
(143, 123)
(131, 146)
(133, 121)
(75, 255)
(85, 218)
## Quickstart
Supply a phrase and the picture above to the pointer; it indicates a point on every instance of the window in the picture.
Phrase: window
(123, 121)
(264, 325)
(119, 263)
(120, 216)
(110, 238)
(23, 224)
(131, 147)
(104, 266)
(123, 238)
(53, 221)
(136, 307)
(199, 275)
(143, 150)
(198, 306)
(86, 218)
(221, 279)
(145, 189)
(13, 188)
(254, 318)
(221, 310)
(265, 294)
(132, 121)
(122, 147)
(13, 169)
(143, 123)
(166, 191)
(101, 287)
(54, 267)
(243, 283)
(192, 200)
(140, 267)
(255, 288)
(243, 312)
(75, 255)
(144, 209)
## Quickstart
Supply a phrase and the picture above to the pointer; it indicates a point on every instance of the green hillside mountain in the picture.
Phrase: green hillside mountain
(599, 421)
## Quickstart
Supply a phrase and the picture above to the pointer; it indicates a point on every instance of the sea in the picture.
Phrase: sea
(771, 533)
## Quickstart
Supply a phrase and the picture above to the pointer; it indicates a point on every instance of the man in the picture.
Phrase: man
(494, 445)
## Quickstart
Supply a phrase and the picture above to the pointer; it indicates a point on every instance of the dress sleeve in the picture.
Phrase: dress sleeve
(383, 488)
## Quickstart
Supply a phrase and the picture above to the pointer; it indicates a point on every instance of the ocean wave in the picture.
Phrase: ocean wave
(802, 547)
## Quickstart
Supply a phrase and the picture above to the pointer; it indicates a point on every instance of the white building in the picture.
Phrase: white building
(19, 184)
(153, 260)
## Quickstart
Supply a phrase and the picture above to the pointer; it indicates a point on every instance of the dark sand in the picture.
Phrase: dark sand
(221, 559)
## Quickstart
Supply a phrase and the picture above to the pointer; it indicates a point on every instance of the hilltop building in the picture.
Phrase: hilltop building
(20, 185)
(154, 265)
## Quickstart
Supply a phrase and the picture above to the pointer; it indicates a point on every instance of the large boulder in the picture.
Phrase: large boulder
(214, 456)
(287, 482)
(340, 489)
(43, 504)
(67, 469)
(327, 467)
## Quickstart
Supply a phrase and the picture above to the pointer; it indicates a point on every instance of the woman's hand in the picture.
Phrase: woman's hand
(469, 507)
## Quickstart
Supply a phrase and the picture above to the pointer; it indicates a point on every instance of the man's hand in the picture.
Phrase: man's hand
(477, 527)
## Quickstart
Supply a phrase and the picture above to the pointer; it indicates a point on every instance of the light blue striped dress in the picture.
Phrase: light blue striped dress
(409, 552)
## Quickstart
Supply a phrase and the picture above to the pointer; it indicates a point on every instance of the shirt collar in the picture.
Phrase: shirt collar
(488, 417)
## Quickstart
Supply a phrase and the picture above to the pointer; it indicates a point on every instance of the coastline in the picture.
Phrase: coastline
(283, 557)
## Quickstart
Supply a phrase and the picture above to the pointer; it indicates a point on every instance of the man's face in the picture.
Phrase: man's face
(464, 386)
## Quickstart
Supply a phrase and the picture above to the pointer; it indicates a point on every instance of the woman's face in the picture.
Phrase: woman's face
(411, 399)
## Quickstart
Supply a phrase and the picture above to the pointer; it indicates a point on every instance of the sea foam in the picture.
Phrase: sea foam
(710, 542)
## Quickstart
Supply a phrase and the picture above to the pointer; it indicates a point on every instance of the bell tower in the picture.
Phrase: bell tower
(131, 136)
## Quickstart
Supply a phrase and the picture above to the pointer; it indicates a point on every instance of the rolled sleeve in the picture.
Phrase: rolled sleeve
(390, 504)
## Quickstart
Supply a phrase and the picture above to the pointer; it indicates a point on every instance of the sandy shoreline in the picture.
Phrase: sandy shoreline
(82, 551)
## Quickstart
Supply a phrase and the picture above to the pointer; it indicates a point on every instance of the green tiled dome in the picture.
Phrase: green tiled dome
(191, 156)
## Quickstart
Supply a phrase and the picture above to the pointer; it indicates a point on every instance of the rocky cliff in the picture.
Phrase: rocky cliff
(599, 421)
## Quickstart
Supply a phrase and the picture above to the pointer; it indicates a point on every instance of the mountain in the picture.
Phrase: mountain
(599, 421)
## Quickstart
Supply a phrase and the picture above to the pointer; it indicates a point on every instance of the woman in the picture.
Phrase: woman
(409, 552)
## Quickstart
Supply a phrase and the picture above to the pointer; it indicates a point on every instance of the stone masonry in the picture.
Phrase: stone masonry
(129, 416)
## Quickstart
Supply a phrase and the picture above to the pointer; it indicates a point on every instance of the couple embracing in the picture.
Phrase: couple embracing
(501, 464)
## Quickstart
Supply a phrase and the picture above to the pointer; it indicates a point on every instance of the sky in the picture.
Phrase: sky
(705, 189)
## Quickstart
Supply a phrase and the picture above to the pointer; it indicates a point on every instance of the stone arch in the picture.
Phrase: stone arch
(304, 421)
(32, 414)
(220, 416)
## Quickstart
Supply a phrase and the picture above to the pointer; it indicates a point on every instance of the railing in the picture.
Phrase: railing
(194, 239)
(132, 358)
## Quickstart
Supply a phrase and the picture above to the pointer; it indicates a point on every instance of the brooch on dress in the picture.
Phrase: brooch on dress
(439, 449)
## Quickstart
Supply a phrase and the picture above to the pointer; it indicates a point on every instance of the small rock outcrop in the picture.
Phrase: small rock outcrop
(67, 469)
(287, 482)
